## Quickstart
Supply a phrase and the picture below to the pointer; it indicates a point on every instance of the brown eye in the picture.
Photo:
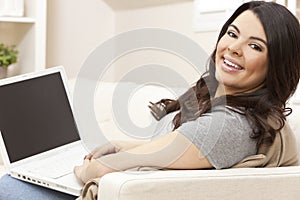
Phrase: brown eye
(256, 47)
(231, 34)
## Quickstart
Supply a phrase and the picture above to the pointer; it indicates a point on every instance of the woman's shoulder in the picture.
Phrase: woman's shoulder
(228, 112)
(223, 118)
(223, 135)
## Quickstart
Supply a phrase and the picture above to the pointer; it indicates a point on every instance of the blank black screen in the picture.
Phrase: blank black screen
(35, 116)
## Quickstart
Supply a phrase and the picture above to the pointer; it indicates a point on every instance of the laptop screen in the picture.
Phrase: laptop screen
(35, 116)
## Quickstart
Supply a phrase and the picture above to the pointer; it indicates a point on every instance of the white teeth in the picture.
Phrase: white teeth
(231, 64)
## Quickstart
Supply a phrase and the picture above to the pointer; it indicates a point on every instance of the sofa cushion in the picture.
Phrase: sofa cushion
(293, 120)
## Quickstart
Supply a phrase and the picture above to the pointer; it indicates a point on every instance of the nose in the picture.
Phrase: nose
(235, 48)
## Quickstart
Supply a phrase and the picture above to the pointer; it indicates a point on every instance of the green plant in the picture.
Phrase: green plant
(8, 55)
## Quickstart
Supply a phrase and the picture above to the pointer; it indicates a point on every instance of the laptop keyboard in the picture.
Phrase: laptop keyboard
(59, 165)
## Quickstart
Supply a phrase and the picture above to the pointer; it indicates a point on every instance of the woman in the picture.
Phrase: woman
(235, 108)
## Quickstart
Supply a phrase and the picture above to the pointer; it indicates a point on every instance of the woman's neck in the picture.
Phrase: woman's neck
(220, 91)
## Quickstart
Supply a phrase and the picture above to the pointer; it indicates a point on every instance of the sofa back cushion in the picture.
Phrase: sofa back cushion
(294, 122)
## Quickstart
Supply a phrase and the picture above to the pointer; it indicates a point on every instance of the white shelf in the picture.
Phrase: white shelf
(17, 19)
(28, 33)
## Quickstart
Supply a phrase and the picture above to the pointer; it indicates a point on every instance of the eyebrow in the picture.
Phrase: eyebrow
(252, 37)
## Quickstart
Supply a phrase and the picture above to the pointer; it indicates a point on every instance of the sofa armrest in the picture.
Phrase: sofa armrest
(228, 184)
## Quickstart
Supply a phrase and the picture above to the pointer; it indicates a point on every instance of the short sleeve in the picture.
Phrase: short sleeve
(222, 136)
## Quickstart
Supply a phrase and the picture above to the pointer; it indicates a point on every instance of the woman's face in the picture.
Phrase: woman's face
(241, 56)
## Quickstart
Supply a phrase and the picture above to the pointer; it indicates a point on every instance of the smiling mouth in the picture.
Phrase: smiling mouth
(231, 65)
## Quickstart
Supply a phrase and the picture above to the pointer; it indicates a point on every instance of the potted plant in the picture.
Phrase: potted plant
(8, 56)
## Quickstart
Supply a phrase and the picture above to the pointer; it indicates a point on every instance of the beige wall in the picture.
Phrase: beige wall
(177, 17)
(75, 28)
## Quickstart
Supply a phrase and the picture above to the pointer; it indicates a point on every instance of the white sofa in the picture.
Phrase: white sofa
(229, 184)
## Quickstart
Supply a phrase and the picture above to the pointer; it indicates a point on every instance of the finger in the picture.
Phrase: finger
(108, 148)
(89, 156)
(77, 171)
(96, 153)
(86, 162)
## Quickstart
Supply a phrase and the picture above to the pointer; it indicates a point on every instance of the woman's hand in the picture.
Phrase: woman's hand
(91, 169)
(106, 149)
(113, 147)
(171, 151)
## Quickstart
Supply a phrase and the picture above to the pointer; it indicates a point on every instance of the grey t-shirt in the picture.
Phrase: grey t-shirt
(223, 136)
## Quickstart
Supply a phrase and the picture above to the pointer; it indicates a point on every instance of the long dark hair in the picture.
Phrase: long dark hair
(269, 102)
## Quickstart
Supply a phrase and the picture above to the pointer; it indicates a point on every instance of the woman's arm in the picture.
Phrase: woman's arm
(114, 146)
(172, 151)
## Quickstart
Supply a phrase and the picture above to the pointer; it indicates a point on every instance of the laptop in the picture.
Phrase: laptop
(39, 139)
